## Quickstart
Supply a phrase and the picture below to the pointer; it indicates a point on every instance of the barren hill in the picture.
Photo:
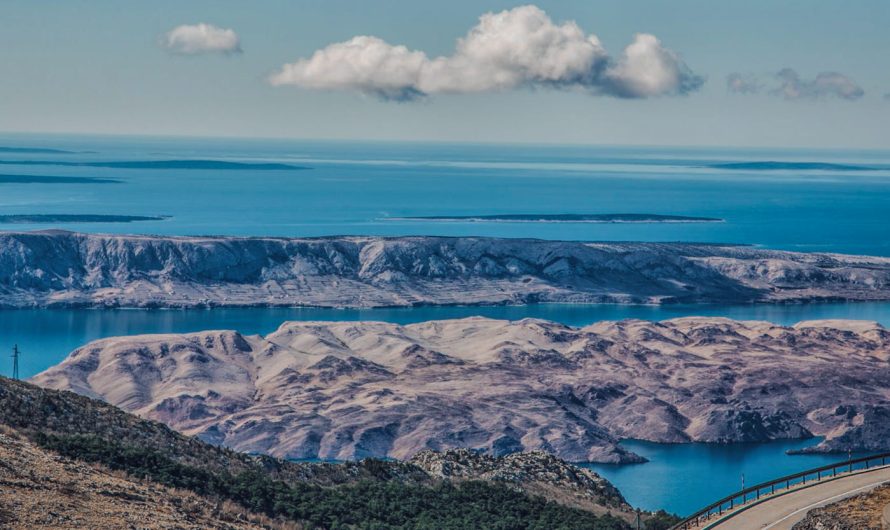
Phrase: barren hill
(346, 390)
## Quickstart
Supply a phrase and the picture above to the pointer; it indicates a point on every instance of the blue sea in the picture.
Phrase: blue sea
(353, 188)
(683, 478)
(774, 199)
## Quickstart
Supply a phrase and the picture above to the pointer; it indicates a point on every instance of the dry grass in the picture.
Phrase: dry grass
(862, 512)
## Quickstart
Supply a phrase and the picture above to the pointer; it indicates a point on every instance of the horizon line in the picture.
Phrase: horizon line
(504, 143)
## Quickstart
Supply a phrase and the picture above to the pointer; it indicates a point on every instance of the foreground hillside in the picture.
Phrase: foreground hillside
(56, 268)
(144, 474)
(346, 390)
(42, 491)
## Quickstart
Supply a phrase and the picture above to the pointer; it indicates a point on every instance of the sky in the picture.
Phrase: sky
(774, 73)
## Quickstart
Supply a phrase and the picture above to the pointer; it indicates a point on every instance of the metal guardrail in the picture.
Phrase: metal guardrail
(754, 493)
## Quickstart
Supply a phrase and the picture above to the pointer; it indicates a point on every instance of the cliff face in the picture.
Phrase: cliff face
(63, 268)
(347, 390)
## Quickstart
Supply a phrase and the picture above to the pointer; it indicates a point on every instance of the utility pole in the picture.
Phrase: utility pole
(15, 361)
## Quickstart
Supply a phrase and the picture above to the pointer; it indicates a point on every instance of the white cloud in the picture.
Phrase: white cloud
(201, 38)
(521, 47)
(825, 84)
(646, 68)
(743, 83)
(366, 64)
(788, 84)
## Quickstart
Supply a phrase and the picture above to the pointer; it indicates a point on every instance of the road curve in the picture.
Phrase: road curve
(783, 511)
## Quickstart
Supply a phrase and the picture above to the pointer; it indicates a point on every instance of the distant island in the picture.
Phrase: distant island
(804, 166)
(76, 218)
(34, 150)
(159, 164)
(44, 179)
(565, 218)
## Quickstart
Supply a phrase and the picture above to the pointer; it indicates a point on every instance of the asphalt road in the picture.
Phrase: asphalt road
(782, 512)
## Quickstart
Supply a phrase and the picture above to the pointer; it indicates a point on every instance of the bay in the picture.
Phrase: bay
(683, 478)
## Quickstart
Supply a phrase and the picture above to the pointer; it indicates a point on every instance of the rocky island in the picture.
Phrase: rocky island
(59, 268)
(346, 390)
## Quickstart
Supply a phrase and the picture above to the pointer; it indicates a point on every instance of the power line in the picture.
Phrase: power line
(15, 361)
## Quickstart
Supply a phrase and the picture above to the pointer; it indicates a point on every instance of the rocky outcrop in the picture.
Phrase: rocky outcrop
(56, 268)
(536, 472)
(347, 390)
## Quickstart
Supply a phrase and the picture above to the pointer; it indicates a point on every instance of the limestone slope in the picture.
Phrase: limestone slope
(56, 268)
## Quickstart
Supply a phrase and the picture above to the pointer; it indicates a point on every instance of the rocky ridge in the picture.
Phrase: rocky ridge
(535, 472)
(347, 390)
(57, 268)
